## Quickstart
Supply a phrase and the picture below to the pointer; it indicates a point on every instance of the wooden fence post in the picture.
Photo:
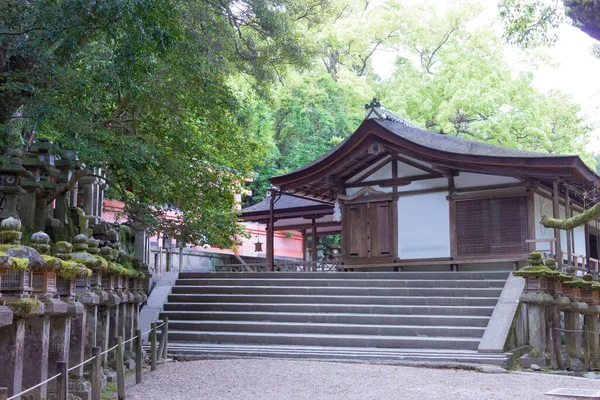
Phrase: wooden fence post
(3, 393)
(153, 347)
(120, 363)
(96, 373)
(62, 382)
(138, 357)
(165, 336)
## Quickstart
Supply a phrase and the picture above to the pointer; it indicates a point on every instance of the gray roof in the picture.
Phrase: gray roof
(284, 202)
(450, 144)
(456, 145)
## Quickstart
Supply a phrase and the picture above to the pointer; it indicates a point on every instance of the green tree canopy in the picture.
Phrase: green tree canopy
(142, 89)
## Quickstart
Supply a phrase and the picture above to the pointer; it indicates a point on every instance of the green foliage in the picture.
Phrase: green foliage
(141, 88)
(530, 23)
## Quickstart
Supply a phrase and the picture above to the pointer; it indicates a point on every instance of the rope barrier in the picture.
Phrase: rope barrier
(130, 340)
(159, 326)
(79, 365)
(577, 331)
(109, 350)
(33, 387)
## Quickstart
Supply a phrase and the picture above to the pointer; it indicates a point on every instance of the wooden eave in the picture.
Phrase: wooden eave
(294, 212)
(328, 175)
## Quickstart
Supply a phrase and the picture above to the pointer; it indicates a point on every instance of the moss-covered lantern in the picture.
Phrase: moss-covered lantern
(541, 278)
(16, 281)
(44, 279)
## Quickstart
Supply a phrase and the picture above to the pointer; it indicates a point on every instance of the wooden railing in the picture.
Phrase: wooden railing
(300, 266)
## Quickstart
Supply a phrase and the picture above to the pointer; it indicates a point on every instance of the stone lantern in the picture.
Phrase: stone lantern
(10, 183)
(44, 280)
(16, 281)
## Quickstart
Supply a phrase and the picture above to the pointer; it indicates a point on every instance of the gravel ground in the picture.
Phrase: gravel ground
(277, 379)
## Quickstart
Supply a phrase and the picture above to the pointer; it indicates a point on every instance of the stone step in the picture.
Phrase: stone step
(306, 299)
(340, 291)
(326, 328)
(334, 308)
(462, 357)
(476, 275)
(338, 318)
(372, 283)
(304, 339)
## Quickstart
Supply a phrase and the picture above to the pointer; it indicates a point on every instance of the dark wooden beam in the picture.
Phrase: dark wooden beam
(366, 174)
(271, 233)
(489, 187)
(414, 164)
(314, 241)
(394, 181)
(300, 227)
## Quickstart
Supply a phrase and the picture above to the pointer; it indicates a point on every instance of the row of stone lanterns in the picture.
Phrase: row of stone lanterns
(59, 306)
(548, 293)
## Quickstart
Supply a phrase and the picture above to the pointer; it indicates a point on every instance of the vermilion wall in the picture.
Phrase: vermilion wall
(287, 243)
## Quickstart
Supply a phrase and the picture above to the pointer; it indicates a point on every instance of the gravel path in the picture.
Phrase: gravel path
(249, 379)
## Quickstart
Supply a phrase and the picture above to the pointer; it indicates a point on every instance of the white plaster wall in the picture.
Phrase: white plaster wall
(468, 179)
(424, 226)
(408, 170)
(384, 173)
(579, 236)
(370, 168)
(543, 206)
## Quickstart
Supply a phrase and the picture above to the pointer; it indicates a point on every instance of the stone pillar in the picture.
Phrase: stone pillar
(78, 386)
(91, 327)
(10, 183)
(130, 324)
(41, 212)
(102, 329)
(537, 305)
(59, 342)
(78, 336)
(573, 340)
(88, 194)
(590, 324)
(115, 324)
(37, 345)
(12, 348)
(140, 241)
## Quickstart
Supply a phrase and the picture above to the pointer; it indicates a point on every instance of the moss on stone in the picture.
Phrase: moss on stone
(69, 269)
(6, 247)
(20, 264)
(535, 256)
(10, 236)
(582, 284)
(103, 263)
(23, 308)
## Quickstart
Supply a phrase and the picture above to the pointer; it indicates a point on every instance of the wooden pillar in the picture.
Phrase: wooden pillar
(304, 242)
(556, 214)
(569, 232)
(271, 233)
(314, 241)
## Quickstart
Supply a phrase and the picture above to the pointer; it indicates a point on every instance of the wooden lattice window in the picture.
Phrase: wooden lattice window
(491, 226)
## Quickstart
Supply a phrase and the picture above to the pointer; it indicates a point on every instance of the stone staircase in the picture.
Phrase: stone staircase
(409, 316)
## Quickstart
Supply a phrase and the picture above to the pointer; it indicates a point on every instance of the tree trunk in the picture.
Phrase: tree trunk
(573, 222)
(585, 15)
